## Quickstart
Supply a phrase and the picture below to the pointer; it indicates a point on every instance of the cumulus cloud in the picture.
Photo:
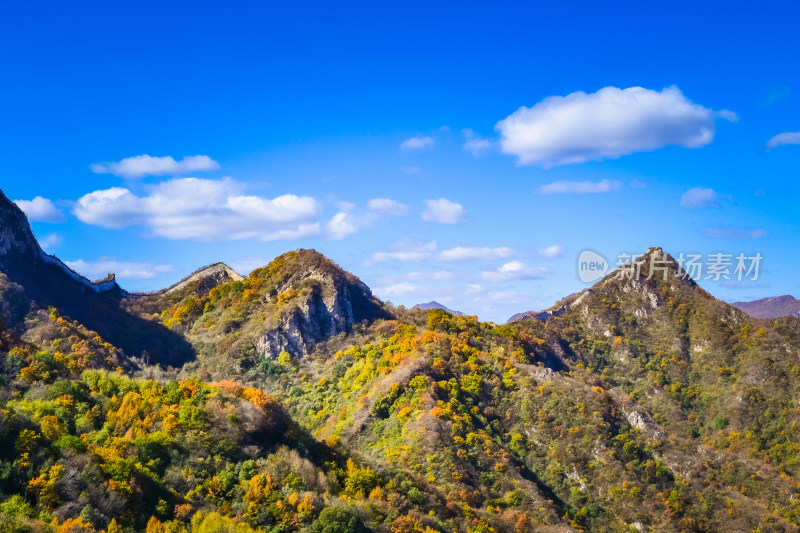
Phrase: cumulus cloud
(700, 198)
(610, 123)
(344, 224)
(203, 210)
(143, 165)
(552, 252)
(475, 253)
(738, 234)
(580, 187)
(418, 143)
(40, 210)
(387, 206)
(124, 270)
(782, 139)
(404, 250)
(514, 270)
(444, 211)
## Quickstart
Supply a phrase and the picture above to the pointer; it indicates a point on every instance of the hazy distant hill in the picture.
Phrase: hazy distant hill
(436, 305)
(771, 307)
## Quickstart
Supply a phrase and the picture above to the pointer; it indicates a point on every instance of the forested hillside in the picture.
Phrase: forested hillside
(296, 401)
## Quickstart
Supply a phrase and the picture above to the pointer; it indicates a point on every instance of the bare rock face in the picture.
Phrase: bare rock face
(330, 301)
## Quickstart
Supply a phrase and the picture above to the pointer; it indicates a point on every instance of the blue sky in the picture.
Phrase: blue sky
(392, 138)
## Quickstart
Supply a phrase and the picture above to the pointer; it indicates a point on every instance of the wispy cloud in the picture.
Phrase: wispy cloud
(48, 242)
(99, 268)
(610, 123)
(444, 211)
(782, 139)
(580, 187)
(418, 143)
(405, 250)
(475, 253)
(699, 198)
(552, 252)
(387, 206)
(396, 289)
(140, 166)
(475, 144)
(514, 270)
(41, 210)
(738, 234)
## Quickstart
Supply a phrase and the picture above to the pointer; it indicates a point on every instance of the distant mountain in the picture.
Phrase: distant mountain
(205, 279)
(774, 307)
(555, 310)
(436, 305)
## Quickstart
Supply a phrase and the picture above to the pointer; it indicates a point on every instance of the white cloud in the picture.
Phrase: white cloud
(514, 270)
(404, 250)
(580, 187)
(124, 270)
(475, 288)
(475, 253)
(203, 210)
(782, 139)
(40, 210)
(552, 252)
(418, 143)
(387, 206)
(699, 198)
(139, 166)
(50, 241)
(344, 224)
(737, 233)
(444, 211)
(610, 123)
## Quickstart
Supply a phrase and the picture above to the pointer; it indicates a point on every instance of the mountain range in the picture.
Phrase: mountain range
(292, 399)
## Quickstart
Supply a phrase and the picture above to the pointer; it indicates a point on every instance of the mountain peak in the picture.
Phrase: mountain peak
(206, 278)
